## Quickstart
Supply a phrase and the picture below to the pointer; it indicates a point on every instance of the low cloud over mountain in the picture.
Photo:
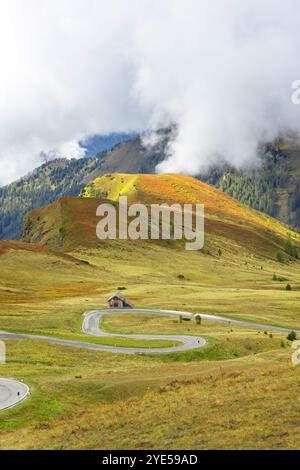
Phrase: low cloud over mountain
(221, 70)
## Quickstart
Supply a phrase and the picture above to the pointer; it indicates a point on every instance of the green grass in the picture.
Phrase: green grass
(85, 399)
(225, 286)
(223, 342)
(117, 341)
(224, 395)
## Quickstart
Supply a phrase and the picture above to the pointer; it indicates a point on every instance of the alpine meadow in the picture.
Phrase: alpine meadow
(119, 331)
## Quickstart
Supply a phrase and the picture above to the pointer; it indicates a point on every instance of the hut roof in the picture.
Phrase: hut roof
(117, 295)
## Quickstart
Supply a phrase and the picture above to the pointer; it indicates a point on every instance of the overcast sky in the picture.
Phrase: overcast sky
(222, 70)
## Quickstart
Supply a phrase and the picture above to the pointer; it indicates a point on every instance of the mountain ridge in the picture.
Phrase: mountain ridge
(71, 222)
(62, 177)
(273, 187)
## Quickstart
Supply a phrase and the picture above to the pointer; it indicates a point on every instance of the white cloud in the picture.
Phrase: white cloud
(221, 69)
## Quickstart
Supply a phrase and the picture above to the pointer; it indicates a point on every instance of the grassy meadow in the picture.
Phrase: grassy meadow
(239, 391)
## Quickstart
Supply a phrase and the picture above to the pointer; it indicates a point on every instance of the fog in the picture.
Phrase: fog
(221, 70)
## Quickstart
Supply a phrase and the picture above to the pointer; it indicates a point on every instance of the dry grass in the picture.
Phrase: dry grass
(240, 391)
(121, 402)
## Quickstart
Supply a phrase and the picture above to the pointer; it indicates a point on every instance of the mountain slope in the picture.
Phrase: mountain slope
(273, 187)
(45, 294)
(229, 225)
(62, 177)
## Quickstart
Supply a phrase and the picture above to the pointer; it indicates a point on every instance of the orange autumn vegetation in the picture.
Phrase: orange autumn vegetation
(71, 222)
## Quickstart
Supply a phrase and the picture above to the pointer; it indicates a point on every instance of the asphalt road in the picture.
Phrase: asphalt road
(256, 326)
(12, 393)
(90, 326)
(92, 320)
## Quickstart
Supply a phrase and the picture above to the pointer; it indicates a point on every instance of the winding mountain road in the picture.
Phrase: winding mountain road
(90, 326)
(13, 392)
(91, 321)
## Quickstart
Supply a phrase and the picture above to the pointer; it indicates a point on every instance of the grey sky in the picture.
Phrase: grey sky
(221, 69)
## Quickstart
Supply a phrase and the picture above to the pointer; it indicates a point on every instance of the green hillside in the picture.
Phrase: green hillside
(62, 177)
(88, 399)
(229, 225)
(272, 187)
(100, 400)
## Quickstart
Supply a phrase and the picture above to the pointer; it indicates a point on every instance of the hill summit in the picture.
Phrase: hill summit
(71, 222)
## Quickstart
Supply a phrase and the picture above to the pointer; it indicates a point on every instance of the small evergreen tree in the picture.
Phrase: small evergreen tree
(292, 336)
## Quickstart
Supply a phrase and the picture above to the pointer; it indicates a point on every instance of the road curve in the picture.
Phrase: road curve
(12, 393)
(90, 326)
(92, 319)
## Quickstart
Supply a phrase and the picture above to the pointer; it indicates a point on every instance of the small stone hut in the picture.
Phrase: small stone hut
(118, 301)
